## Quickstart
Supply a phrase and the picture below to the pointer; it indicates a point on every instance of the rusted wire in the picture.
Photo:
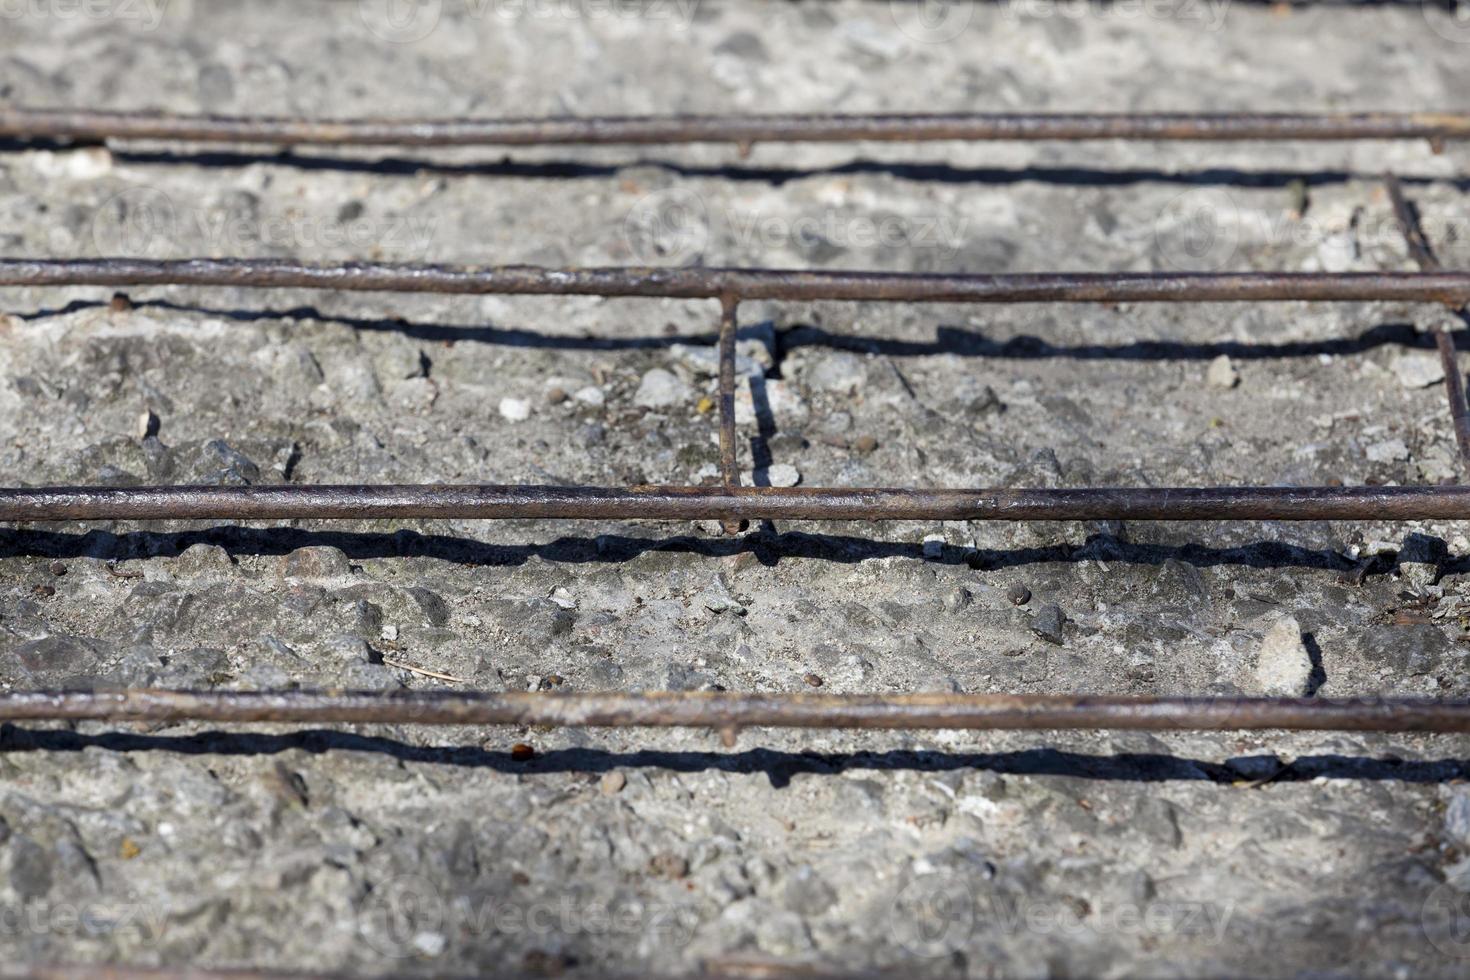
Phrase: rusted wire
(734, 503)
(746, 284)
(717, 968)
(1440, 327)
(114, 971)
(719, 710)
(1408, 221)
(73, 124)
(729, 457)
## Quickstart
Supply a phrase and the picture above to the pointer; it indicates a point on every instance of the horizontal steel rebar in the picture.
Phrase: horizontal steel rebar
(698, 709)
(794, 128)
(117, 971)
(743, 284)
(737, 503)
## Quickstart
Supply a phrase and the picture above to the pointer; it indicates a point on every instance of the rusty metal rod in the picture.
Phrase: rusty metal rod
(729, 464)
(699, 709)
(729, 456)
(1407, 216)
(734, 503)
(712, 970)
(743, 284)
(88, 125)
(1454, 385)
(114, 971)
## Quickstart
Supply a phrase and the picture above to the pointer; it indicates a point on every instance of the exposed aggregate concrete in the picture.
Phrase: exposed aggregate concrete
(404, 850)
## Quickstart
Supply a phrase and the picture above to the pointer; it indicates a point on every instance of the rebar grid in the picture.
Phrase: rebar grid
(730, 503)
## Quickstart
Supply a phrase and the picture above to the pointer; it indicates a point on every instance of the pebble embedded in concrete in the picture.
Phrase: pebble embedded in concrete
(1222, 373)
(1283, 664)
(783, 475)
(662, 389)
(1457, 817)
(1048, 623)
(1418, 369)
(1387, 451)
(515, 409)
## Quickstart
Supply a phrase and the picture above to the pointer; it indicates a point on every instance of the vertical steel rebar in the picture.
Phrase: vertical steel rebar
(1407, 216)
(729, 460)
(1454, 383)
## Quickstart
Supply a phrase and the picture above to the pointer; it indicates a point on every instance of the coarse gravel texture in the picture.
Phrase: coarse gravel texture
(376, 850)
